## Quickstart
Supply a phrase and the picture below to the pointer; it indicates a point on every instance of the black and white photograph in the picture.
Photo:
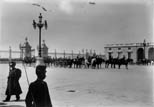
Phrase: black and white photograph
(76, 53)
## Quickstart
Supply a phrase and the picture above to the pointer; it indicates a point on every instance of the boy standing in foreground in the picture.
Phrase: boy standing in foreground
(38, 93)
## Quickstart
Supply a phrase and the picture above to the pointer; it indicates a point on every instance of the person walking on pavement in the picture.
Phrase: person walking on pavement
(13, 86)
(38, 93)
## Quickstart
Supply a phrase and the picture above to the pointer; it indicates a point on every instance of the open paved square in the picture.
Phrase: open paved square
(89, 87)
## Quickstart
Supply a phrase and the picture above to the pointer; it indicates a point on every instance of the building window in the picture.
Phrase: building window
(109, 48)
(119, 48)
(129, 48)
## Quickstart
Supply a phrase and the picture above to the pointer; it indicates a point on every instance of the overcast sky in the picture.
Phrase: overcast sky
(76, 24)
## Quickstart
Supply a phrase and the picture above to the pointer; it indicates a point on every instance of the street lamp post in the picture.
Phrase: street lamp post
(40, 25)
(10, 54)
(144, 45)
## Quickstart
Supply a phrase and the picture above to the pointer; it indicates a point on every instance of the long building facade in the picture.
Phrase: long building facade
(135, 51)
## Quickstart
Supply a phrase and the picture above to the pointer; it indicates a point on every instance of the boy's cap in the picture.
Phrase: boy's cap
(40, 69)
(12, 63)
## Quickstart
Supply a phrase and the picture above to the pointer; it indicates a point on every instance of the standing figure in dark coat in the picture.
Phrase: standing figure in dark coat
(38, 93)
(13, 86)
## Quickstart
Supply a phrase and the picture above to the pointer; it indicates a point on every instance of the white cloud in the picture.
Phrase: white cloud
(67, 2)
(19, 1)
(66, 6)
(102, 1)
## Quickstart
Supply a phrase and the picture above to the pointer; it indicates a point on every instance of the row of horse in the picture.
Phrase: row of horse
(81, 62)
(77, 62)
(116, 61)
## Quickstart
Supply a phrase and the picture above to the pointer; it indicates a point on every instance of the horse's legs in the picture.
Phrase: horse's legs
(119, 66)
(99, 66)
(114, 65)
(126, 66)
(106, 65)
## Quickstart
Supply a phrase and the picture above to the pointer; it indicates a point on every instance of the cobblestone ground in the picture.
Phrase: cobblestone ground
(89, 87)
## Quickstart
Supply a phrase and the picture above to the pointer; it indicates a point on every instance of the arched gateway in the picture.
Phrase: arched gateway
(140, 54)
(151, 54)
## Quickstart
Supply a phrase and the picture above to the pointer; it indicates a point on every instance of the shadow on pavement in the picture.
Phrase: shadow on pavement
(11, 106)
(5, 104)
(22, 100)
(1, 103)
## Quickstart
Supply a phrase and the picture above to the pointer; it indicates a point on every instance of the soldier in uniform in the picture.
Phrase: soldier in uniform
(38, 93)
(13, 86)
